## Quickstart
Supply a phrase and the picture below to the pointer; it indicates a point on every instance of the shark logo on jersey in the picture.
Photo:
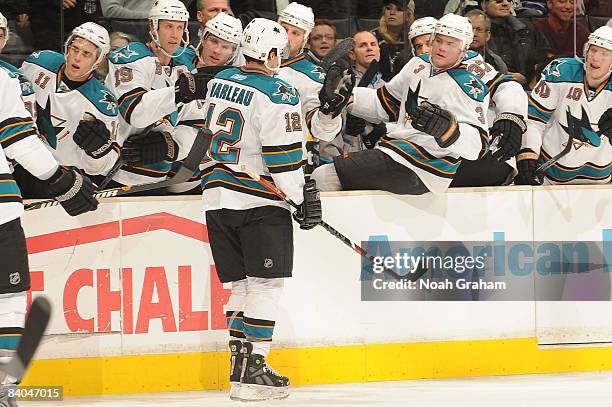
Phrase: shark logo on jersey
(109, 99)
(36, 54)
(285, 93)
(124, 52)
(412, 101)
(553, 68)
(584, 134)
(475, 87)
(319, 71)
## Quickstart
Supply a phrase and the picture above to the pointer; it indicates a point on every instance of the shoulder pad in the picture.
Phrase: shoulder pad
(304, 66)
(26, 86)
(99, 96)
(130, 53)
(424, 57)
(50, 60)
(564, 70)
(469, 83)
(277, 90)
(186, 58)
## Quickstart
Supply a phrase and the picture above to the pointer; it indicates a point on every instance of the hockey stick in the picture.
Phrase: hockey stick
(339, 51)
(190, 166)
(541, 170)
(418, 273)
(35, 325)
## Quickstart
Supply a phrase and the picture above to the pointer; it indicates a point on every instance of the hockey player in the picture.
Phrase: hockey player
(256, 121)
(219, 42)
(573, 97)
(77, 115)
(441, 112)
(19, 141)
(307, 78)
(420, 35)
(143, 78)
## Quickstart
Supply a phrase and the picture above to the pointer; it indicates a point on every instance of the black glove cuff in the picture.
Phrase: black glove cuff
(514, 118)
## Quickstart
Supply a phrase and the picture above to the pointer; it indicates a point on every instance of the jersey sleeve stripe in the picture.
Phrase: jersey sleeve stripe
(309, 115)
(390, 104)
(15, 129)
(9, 191)
(494, 83)
(197, 124)
(539, 106)
(444, 167)
(129, 101)
(219, 176)
(283, 158)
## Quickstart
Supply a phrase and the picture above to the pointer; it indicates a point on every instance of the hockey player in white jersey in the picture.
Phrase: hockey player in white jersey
(19, 142)
(573, 97)
(77, 115)
(27, 92)
(256, 121)
(308, 79)
(441, 112)
(219, 43)
(419, 35)
(143, 78)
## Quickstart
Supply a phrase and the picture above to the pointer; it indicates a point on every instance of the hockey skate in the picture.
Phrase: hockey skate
(235, 367)
(258, 380)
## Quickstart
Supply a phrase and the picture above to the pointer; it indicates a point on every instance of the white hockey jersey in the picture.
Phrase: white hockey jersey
(256, 121)
(18, 141)
(308, 79)
(146, 95)
(27, 91)
(563, 86)
(60, 110)
(456, 90)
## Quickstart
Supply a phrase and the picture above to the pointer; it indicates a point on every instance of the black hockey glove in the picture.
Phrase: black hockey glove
(309, 213)
(437, 122)
(73, 191)
(149, 148)
(526, 164)
(509, 127)
(605, 124)
(93, 137)
(190, 87)
(370, 139)
(354, 125)
(336, 90)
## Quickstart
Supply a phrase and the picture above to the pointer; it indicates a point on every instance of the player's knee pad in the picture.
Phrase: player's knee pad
(263, 295)
(237, 299)
(327, 178)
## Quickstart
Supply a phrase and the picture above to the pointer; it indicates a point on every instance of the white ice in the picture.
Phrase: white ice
(590, 389)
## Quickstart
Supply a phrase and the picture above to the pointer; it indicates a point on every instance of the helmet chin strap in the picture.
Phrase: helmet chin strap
(155, 38)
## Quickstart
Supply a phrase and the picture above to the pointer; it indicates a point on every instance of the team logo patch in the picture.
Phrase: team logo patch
(286, 94)
(268, 263)
(474, 87)
(124, 52)
(15, 278)
(553, 68)
(584, 134)
(319, 71)
(108, 98)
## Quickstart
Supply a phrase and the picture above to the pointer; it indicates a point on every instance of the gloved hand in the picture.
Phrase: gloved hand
(437, 122)
(73, 191)
(370, 139)
(509, 128)
(149, 148)
(526, 164)
(93, 137)
(336, 90)
(309, 213)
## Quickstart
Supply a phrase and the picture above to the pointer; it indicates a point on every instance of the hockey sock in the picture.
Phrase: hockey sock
(234, 309)
(263, 295)
(12, 318)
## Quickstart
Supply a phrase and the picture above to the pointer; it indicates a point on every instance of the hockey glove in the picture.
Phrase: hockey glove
(437, 122)
(370, 139)
(93, 137)
(149, 148)
(354, 125)
(190, 87)
(73, 191)
(336, 90)
(509, 128)
(605, 124)
(309, 213)
(526, 164)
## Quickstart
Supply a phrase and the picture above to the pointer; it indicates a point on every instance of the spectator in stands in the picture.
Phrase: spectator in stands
(321, 40)
(207, 9)
(482, 33)
(393, 23)
(357, 133)
(429, 8)
(511, 38)
(118, 39)
(17, 14)
(133, 9)
(558, 27)
(460, 6)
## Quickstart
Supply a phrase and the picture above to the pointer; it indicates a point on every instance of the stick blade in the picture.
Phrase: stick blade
(339, 51)
(35, 326)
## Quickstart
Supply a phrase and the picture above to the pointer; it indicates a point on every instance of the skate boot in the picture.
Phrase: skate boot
(235, 367)
(5, 391)
(259, 381)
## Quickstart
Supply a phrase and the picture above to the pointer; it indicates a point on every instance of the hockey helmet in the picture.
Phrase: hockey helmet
(4, 25)
(93, 33)
(455, 26)
(173, 10)
(260, 37)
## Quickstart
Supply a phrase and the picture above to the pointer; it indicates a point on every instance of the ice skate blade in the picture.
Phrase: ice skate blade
(256, 392)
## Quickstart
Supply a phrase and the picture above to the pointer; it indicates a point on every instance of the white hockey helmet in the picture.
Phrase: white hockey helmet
(4, 25)
(93, 33)
(300, 16)
(455, 26)
(421, 26)
(173, 10)
(260, 37)
(225, 27)
(602, 37)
